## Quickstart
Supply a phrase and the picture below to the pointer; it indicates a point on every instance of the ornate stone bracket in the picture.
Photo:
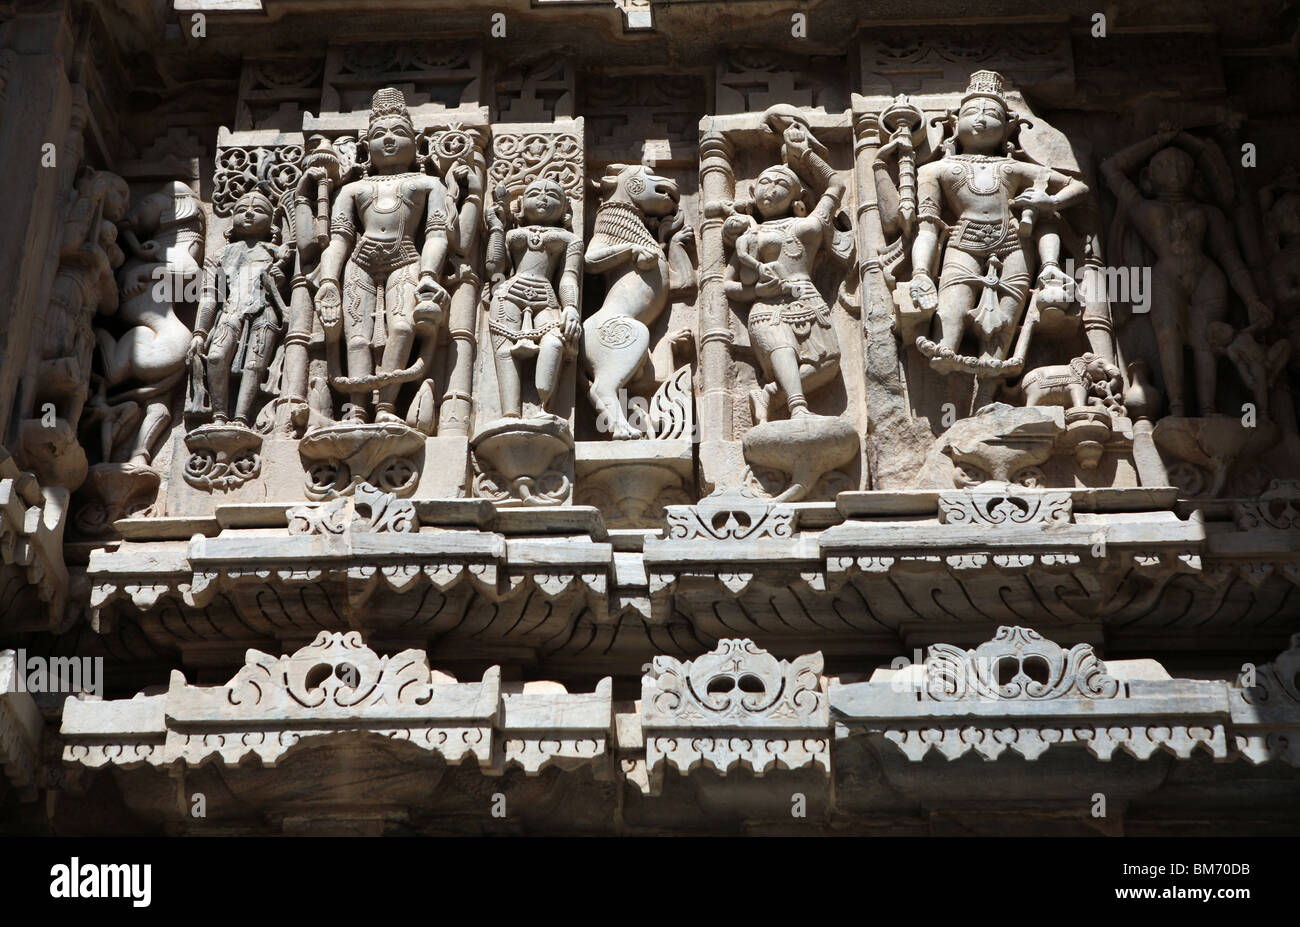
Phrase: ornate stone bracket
(222, 457)
(1277, 508)
(1023, 692)
(1266, 716)
(737, 706)
(338, 686)
(31, 542)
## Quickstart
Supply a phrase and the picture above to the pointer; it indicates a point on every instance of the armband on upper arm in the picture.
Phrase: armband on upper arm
(341, 223)
(928, 211)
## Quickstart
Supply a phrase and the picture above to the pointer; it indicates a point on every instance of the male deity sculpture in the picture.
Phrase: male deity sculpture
(533, 312)
(376, 286)
(241, 313)
(1189, 291)
(996, 212)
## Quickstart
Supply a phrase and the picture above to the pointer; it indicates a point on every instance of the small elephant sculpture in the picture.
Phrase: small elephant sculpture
(1073, 384)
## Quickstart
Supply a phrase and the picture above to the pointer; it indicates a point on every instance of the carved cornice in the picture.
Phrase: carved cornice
(338, 686)
(1022, 692)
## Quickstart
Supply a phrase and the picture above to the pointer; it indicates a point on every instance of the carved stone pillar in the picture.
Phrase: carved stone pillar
(717, 191)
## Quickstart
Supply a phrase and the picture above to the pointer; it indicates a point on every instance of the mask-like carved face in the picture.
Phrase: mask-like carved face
(252, 217)
(775, 193)
(543, 203)
(392, 142)
(981, 125)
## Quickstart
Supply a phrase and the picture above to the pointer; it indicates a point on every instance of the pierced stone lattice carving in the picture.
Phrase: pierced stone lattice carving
(1018, 663)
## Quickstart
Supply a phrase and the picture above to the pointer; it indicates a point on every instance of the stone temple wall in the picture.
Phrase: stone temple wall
(647, 413)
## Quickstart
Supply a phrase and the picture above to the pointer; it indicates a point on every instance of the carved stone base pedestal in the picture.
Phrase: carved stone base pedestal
(1000, 443)
(1088, 429)
(523, 461)
(222, 457)
(113, 491)
(631, 481)
(339, 458)
(806, 447)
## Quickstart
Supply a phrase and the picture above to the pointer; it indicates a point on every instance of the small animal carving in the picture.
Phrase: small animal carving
(1071, 385)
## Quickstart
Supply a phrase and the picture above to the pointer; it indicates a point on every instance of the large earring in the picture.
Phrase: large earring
(363, 156)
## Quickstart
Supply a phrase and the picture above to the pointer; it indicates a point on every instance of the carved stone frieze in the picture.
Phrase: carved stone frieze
(597, 351)
(334, 687)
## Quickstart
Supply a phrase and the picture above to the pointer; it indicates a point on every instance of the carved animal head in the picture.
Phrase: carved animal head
(175, 204)
(655, 196)
(1099, 370)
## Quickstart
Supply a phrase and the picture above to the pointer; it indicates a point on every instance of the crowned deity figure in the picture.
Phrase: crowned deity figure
(377, 287)
(997, 215)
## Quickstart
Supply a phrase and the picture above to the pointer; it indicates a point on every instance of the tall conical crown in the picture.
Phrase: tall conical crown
(388, 101)
(987, 84)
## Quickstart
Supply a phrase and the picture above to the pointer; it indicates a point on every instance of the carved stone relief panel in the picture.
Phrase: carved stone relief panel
(534, 91)
(274, 91)
(530, 328)
(779, 307)
(750, 80)
(984, 239)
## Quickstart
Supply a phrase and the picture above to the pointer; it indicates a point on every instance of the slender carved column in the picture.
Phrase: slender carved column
(884, 385)
(457, 403)
(717, 191)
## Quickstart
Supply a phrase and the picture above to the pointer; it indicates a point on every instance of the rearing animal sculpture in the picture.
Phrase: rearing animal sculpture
(623, 247)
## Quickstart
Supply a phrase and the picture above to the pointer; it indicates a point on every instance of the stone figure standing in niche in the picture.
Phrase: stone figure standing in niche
(376, 286)
(771, 268)
(770, 265)
(990, 255)
(239, 333)
(152, 351)
(1189, 291)
(534, 311)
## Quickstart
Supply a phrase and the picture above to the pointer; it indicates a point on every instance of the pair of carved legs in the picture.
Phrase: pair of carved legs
(1182, 310)
(510, 353)
(378, 311)
(257, 358)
